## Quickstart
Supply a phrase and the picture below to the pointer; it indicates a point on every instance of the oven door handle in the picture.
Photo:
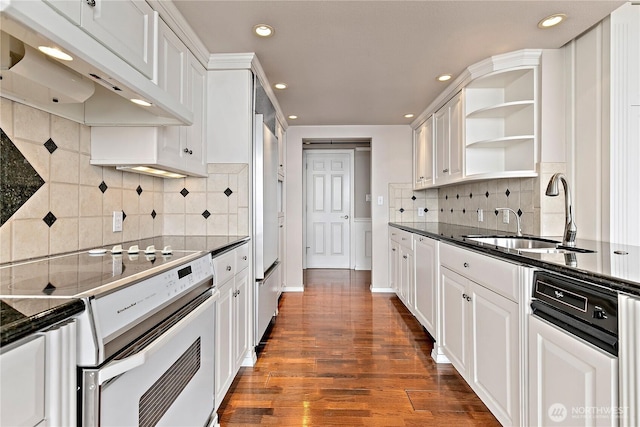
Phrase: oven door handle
(119, 367)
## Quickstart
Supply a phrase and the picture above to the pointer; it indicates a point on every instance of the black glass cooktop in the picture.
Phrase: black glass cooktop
(78, 273)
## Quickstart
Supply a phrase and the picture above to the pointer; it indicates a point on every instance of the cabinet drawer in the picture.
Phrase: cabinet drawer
(400, 236)
(499, 276)
(224, 267)
(242, 257)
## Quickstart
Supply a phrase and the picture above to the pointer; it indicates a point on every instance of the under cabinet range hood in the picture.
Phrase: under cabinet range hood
(61, 87)
(27, 72)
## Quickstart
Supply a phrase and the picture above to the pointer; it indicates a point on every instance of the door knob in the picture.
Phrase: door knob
(346, 217)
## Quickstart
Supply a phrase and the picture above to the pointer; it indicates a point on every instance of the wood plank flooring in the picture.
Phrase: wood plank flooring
(339, 355)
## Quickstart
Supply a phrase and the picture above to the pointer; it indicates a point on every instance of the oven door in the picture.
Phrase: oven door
(165, 378)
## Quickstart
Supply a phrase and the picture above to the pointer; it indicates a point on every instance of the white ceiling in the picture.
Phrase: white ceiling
(370, 62)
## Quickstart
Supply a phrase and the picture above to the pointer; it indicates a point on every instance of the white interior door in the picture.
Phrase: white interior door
(328, 210)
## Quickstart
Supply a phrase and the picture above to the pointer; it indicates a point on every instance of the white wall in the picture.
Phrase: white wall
(391, 154)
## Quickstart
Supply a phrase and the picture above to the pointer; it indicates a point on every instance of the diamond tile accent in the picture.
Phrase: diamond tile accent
(451, 210)
(441, 210)
(124, 216)
(457, 196)
(184, 192)
(446, 197)
(49, 289)
(496, 212)
(139, 190)
(471, 195)
(206, 214)
(413, 197)
(18, 179)
(520, 212)
(228, 192)
(103, 187)
(507, 192)
(50, 146)
(401, 210)
(464, 211)
(426, 210)
(153, 214)
(49, 219)
(486, 194)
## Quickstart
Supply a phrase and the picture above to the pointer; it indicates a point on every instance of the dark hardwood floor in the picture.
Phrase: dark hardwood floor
(340, 355)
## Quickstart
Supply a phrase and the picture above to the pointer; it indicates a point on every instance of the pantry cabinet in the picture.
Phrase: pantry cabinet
(481, 327)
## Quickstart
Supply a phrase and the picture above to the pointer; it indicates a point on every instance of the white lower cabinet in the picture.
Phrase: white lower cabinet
(232, 317)
(481, 333)
(426, 282)
(394, 255)
(571, 383)
(402, 266)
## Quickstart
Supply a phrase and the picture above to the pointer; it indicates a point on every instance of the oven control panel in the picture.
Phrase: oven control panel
(124, 308)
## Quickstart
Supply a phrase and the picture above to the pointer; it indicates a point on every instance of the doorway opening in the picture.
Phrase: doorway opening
(337, 203)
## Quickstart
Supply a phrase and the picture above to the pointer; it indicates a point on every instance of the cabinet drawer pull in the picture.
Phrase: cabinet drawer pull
(393, 249)
(91, 3)
(404, 256)
(468, 298)
(464, 296)
(228, 268)
(466, 265)
(445, 170)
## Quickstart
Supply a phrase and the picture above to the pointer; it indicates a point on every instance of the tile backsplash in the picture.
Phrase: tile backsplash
(73, 209)
(459, 204)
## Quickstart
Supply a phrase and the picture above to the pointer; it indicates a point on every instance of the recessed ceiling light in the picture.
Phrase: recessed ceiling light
(552, 20)
(263, 30)
(292, 117)
(408, 116)
(444, 77)
(55, 53)
(141, 102)
(280, 86)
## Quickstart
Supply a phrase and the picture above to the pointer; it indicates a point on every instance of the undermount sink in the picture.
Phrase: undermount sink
(525, 244)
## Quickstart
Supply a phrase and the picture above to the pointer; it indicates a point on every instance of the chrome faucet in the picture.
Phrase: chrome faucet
(519, 232)
(570, 228)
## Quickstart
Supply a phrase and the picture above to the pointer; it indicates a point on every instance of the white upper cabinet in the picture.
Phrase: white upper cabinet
(488, 125)
(173, 64)
(423, 155)
(448, 141)
(126, 27)
(196, 141)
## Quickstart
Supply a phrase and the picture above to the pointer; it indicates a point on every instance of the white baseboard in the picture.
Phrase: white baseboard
(293, 289)
(382, 290)
(438, 356)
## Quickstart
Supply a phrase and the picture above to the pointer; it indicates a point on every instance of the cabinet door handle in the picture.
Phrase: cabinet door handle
(244, 258)
(466, 265)
(228, 268)
(445, 170)
(393, 249)
(91, 3)
(186, 150)
(464, 296)
(404, 256)
(468, 298)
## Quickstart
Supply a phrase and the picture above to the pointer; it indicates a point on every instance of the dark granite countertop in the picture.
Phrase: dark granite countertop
(21, 317)
(39, 293)
(604, 267)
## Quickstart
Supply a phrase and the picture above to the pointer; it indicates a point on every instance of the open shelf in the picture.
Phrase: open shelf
(503, 142)
(500, 110)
